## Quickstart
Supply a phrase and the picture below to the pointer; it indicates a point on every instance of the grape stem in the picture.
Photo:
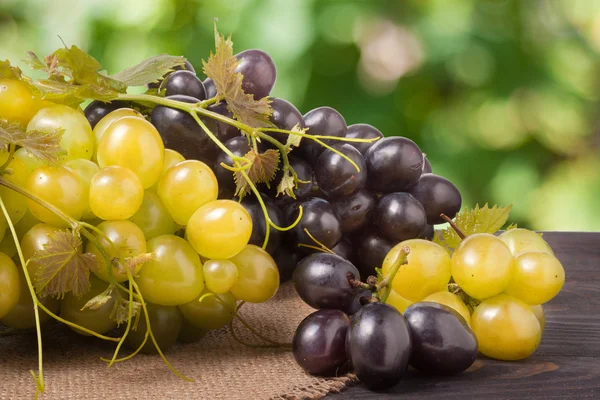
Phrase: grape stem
(386, 283)
(453, 225)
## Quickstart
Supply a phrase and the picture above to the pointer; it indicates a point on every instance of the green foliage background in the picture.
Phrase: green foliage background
(502, 95)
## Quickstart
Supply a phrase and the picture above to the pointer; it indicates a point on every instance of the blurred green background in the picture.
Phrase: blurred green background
(502, 95)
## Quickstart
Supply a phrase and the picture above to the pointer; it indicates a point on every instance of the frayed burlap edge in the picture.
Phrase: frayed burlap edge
(319, 389)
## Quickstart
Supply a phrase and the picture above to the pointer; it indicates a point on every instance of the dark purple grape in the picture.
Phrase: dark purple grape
(442, 342)
(345, 250)
(360, 295)
(399, 216)
(182, 133)
(224, 131)
(239, 147)
(319, 218)
(426, 166)
(335, 176)
(97, 110)
(185, 83)
(428, 233)
(394, 164)
(319, 344)
(304, 172)
(186, 66)
(209, 88)
(355, 210)
(371, 249)
(378, 345)
(257, 238)
(438, 196)
(286, 258)
(285, 116)
(259, 72)
(363, 131)
(321, 121)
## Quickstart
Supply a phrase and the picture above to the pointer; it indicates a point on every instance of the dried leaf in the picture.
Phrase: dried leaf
(41, 145)
(133, 262)
(50, 65)
(100, 300)
(149, 71)
(263, 167)
(287, 184)
(294, 140)
(120, 312)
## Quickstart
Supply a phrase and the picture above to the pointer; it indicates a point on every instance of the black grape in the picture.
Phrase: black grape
(438, 196)
(371, 249)
(345, 250)
(259, 72)
(186, 66)
(442, 342)
(355, 210)
(319, 344)
(239, 147)
(426, 166)
(357, 302)
(394, 164)
(257, 238)
(378, 345)
(335, 176)
(287, 257)
(399, 216)
(363, 131)
(428, 233)
(224, 131)
(319, 218)
(285, 116)
(321, 121)
(185, 83)
(304, 172)
(209, 88)
(321, 281)
(97, 110)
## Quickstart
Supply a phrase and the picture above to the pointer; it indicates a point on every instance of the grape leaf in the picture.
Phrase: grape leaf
(287, 184)
(50, 65)
(63, 268)
(294, 140)
(511, 226)
(41, 145)
(149, 71)
(98, 301)
(72, 95)
(262, 169)
(133, 262)
(9, 71)
(120, 312)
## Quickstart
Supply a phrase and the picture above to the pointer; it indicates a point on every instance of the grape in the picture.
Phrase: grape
(538, 310)
(127, 239)
(219, 229)
(378, 345)
(209, 88)
(7, 245)
(258, 276)
(506, 328)
(77, 139)
(398, 302)
(482, 265)
(394, 164)
(15, 203)
(133, 143)
(371, 249)
(185, 83)
(33, 241)
(17, 103)
(344, 249)
(115, 193)
(220, 275)
(239, 147)
(259, 72)
(335, 176)
(363, 131)
(172, 157)
(189, 333)
(213, 312)
(426, 166)
(185, 187)
(285, 116)
(97, 110)
(355, 211)
(186, 66)
(319, 344)
(321, 281)
(438, 196)
(520, 240)
(323, 121)
(106, 121)
(426, 272)
(286, 258)
(442, 342)
(59, 187)
(360, 296)
(305, 173)
(153, 218)
(319, 219)
(253, 207)
(174, 276)
(223, 131)
(536, 277)
(31, 163)
(85, 170)
(10, 287)
(399, 216)
(428, 233)
(453, 301)
(165, 322)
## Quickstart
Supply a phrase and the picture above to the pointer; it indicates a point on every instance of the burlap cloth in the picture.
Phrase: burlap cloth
(222, 368)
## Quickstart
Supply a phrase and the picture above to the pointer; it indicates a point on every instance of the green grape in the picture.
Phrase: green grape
(59, 187)
(129, 241)
(115, 193)
(111, 117)
(7, 245)
(30, 161)
(538, 310)
(536, 277)
(9, 285)
(219, 229)
(15, 203)
(175, 274)
(506, 328)
(398, 302)
(133, 143)
(520, 240)
(77, 139)
(258, 275)
(220, 275)
(17, 103)
(172, 157)
(453, 301)
(85, 170)
(153, 218)
(185, 187)
(426, 272)
(165, 322)
(481, 265)
(213, 312)
(190, 333)
(33, 241)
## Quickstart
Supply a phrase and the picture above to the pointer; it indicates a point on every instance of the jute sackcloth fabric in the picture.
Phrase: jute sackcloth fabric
(221, 367)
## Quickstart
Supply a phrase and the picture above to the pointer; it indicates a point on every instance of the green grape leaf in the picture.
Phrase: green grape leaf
(149, 71)
(220, 67)
(478, 220)
(287, 184)
(72, 95)
(120, 312)
(512, 226)
(41, 145)
(63, 268)
(263, 167)
(50, 65)
(98, 301)
(9, 71)
(294, 140)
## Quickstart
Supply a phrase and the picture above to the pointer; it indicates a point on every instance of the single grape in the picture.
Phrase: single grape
(174, 276)
(253, 207)
(213, 312)
(32, 163)
(239, 147)
(345, 250)
(111, 117)
(319, 344)
(7, 245)
(165, 322)
(399, 216)
(10, 286)
(172, 157)
(115, 193)
(482, 265)
(258, 71)
(336, 176)
(538, 310)
(398, 302)
(361, 297)
(209, 87)
(185, 83)
(17, 103)
(520, 240)
(438, 196)
(190, 333)
(285, 116)
(258, 276)
(85, 170)
(15, 203)
(220, 275)
(453, 301)
(363, 131)
(371, 249)
(506, 328)
(442, 342)
(153, 218)
(186, 66)
(394, 164)
(223, 131)
(536, 277)
(378, 345)
(426, 166)
(323, 121)
(319, 219)
(97, 110)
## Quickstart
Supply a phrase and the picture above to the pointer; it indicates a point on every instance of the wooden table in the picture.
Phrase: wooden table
(565, 366)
